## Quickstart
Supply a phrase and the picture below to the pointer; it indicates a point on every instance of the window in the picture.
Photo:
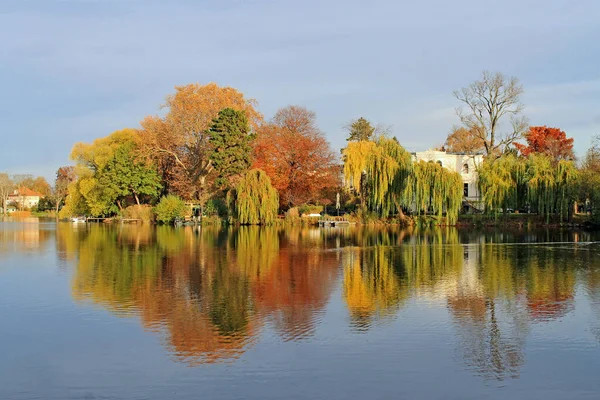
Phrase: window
(465, 168)
(466, 190)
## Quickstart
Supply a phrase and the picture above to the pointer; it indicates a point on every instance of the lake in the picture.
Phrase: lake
(139, 312)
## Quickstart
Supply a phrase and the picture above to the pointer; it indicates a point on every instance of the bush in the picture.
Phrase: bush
(45, 204)
(143, 212)
(169, 208)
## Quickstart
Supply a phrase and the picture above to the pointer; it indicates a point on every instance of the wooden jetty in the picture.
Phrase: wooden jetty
(334, 222)
(99, 219)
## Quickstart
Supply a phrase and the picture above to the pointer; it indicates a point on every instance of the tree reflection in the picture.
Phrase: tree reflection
(211, 291)
(371, 286)
(207, 290)
(294, 291)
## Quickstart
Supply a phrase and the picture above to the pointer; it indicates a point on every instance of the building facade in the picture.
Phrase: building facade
(464, 164)
(24, 198)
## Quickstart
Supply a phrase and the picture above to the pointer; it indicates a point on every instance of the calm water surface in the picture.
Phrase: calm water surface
(137, 312)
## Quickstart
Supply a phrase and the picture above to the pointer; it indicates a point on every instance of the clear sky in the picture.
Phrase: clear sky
(75, 70)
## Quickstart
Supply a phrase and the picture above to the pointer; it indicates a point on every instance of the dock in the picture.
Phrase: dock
(334, 222)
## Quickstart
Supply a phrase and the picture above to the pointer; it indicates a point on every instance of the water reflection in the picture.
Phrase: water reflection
(212, 293)
(24, 235)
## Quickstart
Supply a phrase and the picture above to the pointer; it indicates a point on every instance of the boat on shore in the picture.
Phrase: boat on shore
(78, 220)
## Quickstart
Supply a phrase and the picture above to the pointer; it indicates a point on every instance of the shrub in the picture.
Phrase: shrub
(143, 212)
(169, 208)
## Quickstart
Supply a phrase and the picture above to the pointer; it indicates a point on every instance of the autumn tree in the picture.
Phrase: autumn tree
(109, 172)
(294, 153)
(180, 141)
(487, 102)
(7, 186)
(231, 140)
(462, 140)
(545, 140)
(64, 176)
(38, 184)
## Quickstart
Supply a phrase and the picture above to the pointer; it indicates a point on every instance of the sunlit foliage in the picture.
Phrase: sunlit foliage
(254, 200)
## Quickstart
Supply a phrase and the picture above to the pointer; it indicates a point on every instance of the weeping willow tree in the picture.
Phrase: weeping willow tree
(567, 176)
(501, 181)
(254, 200)
(551, 184)
(433, 187)
(378, 172)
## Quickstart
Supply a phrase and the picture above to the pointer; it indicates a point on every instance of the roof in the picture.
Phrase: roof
(26, 192)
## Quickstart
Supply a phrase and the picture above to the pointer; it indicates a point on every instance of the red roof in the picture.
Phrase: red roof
(25, 192)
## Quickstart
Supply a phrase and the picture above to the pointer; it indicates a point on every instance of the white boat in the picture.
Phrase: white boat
(78, 219)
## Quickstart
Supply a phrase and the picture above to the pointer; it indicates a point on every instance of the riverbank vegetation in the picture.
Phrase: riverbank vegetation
(214, 152)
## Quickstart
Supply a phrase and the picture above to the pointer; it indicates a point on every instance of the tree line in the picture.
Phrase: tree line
(52, 196)
(540, 175)
(211, 147)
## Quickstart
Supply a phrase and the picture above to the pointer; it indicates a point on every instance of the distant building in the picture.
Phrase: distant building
(24, 198)
(464, 164)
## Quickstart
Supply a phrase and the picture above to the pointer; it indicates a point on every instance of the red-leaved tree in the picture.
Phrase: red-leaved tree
(550, 141)
(295, 154)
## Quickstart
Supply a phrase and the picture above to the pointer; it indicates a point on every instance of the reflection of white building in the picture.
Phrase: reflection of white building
(465, 164)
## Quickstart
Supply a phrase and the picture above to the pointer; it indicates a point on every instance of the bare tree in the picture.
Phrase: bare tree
(6, 187)
(487, 101)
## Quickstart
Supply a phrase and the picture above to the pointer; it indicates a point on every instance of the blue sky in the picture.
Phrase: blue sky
(75, 70)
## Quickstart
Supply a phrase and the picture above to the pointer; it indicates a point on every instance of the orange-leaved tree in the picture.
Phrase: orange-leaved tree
(179, 142)
(550, 141)
(463, 140)
(293, 151)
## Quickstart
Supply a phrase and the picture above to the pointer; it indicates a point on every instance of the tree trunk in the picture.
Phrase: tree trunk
(119, 205)
(137, 200)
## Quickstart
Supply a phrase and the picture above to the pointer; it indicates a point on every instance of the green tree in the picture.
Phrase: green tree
(125, 176)
(360, 129)
(231, 139)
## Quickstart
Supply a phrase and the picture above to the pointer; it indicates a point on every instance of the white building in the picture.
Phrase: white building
(24, 198)
(464, 164)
